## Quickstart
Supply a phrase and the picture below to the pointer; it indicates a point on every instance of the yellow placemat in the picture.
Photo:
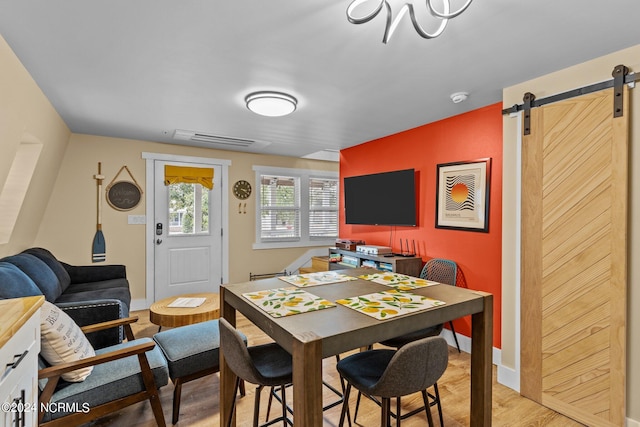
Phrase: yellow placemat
(287, 301)
(388, 304)
(399, 281)
(317, 278)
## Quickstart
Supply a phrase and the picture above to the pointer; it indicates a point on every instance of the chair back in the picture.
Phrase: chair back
(236, 354)
(414, 367)
(440, 270)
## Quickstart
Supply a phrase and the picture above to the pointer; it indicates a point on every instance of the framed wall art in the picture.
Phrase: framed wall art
(462, 195)
(123, 195)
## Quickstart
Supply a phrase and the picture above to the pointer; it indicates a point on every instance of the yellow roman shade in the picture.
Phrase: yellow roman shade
(188, 175)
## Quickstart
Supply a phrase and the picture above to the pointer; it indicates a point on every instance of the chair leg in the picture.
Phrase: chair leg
(271, 392)
(345, 405)
(177, 392)
(385, 419)
(243, 391)
(233, 402)
(355, 416)
(438, 403)
(284, 406)
(342, 385)
(151, 389)
(256, 406)
(398, 409)
(455, 337)
(427, 407)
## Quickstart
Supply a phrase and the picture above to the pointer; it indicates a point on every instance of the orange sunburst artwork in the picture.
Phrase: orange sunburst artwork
(459, 192)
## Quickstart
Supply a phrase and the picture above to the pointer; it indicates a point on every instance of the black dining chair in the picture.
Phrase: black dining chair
(390, 374)
(264, 365)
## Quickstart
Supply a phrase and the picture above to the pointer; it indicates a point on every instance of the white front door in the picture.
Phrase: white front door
(187, 234)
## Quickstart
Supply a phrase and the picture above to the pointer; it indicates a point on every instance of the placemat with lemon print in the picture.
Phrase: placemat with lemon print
(399, 281)
(388, 304)
(317, 278)
(287, 301)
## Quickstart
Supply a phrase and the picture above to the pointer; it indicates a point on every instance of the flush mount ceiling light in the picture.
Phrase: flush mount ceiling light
(271, 104)
(439, 15)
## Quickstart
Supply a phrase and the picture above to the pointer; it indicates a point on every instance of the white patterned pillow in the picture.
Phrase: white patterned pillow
(63, 341)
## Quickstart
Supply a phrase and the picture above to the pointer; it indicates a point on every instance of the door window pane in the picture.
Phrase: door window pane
(188, 209)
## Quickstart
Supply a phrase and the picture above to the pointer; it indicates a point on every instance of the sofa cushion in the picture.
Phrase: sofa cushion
(39, 272)
(14, 283)
(53, 263)
(112, 380)
(119, 293)
(97, 286)
(62, 341)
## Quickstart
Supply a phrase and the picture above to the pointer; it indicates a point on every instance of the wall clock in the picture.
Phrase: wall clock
(242, 189)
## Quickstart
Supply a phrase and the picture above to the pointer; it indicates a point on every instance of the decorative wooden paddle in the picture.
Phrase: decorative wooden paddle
(99, 247)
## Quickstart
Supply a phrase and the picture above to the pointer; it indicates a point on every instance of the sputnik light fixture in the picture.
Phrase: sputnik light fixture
(392, 23)
(271, 104)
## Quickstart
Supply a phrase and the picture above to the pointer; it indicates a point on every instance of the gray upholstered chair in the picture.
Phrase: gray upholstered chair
(117, 380)
(264, 365)
(395, 373)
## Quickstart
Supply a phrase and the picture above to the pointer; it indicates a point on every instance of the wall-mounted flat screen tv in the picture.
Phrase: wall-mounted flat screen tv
(387, 198)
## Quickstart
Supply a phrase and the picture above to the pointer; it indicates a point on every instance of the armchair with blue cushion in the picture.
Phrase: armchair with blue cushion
(116, 380)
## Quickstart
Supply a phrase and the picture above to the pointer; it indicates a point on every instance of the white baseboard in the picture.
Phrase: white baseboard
(509, 377)
(138, 304)
(632, 423)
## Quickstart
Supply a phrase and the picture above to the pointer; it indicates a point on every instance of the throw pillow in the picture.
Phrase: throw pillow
(63, 341)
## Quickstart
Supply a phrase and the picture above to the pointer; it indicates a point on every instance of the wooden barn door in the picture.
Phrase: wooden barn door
(574, 258)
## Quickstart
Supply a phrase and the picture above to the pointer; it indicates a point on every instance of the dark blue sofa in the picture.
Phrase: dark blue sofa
(88, 294)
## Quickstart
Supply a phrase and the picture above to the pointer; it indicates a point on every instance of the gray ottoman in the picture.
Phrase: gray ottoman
(192, 352)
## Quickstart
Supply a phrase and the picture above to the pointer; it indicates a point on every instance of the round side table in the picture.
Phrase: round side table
(162, 315)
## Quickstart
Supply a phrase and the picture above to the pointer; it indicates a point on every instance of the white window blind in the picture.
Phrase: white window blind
(279, 208)
(323, 207)
(296, 207)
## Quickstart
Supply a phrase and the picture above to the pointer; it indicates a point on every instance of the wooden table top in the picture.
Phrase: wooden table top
(162, 315)
(341, 328)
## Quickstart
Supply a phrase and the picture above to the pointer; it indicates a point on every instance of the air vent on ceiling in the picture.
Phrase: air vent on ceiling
(188, 135)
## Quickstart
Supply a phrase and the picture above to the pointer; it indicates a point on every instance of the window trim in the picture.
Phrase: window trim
(303, 176)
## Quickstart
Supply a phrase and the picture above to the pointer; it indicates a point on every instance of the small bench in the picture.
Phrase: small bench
(192, 352)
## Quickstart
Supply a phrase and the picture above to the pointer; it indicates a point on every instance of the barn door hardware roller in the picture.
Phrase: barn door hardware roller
(526, 107)
(619, 73)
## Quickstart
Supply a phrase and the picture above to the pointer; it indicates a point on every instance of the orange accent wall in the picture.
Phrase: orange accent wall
(473, 135)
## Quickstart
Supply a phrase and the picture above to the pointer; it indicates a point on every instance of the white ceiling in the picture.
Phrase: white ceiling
(143, 68)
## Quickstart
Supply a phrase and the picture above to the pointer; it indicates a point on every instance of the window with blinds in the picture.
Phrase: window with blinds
(279, 208)
(296, 207)
(323, 207)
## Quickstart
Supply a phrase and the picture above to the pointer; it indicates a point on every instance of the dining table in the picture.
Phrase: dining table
(312, 336)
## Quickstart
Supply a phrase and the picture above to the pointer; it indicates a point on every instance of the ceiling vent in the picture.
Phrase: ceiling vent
(188, 135)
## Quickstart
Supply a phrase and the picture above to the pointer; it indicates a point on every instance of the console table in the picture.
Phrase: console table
(411, 266)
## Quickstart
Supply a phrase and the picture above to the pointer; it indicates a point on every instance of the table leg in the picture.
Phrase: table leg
(307, 381)
(227, 377)
(481, 363)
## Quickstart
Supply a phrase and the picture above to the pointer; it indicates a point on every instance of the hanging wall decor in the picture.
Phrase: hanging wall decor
(462, 198)
(123, 195)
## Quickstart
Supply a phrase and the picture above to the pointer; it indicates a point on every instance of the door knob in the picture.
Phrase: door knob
(158, 241)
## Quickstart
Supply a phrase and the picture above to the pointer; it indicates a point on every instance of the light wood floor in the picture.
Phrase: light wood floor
(200, 398)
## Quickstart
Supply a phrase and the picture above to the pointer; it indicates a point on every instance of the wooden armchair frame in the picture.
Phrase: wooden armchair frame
(54, 373)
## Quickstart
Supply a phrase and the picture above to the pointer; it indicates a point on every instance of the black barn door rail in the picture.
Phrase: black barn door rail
(621, 76)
